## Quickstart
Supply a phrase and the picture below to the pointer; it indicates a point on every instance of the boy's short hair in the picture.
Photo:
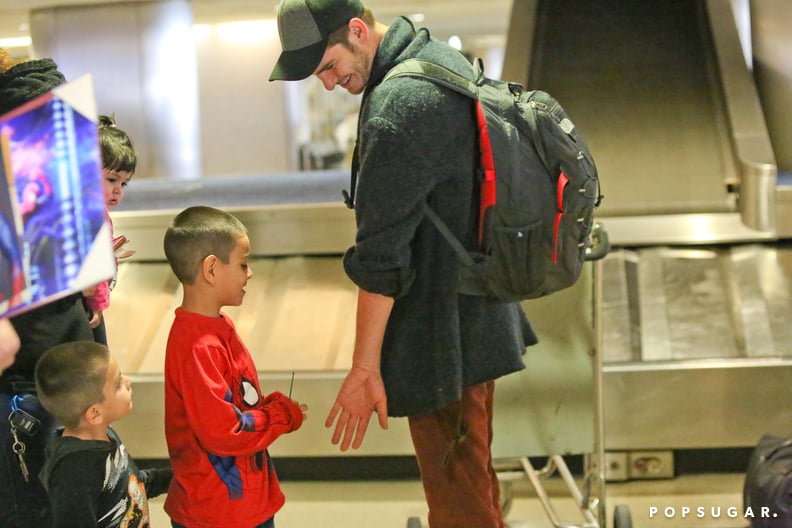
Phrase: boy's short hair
(196, 233)
(70, 378)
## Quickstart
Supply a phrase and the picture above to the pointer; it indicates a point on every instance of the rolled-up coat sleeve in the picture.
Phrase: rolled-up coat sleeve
(397, 173)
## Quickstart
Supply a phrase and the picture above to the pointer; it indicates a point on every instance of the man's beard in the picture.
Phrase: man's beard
(361, 67)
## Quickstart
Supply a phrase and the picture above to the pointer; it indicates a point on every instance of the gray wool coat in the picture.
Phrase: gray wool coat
(417, 146)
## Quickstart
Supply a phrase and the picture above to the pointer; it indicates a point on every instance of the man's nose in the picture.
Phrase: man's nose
(328, 80)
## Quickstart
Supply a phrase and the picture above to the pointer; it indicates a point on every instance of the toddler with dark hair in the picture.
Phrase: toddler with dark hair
(118, 166)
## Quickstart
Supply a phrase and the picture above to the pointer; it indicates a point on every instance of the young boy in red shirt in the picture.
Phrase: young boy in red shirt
(217, 424)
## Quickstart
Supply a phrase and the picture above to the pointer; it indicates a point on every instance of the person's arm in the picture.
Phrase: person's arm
(9, 344)
(363, 391)
(221, 427)
(156, 480)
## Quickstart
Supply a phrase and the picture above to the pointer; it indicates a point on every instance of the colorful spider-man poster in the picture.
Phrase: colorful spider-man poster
(13, 286)
(53, 237)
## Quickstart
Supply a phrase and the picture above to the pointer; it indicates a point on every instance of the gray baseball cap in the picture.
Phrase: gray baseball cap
(303, 26)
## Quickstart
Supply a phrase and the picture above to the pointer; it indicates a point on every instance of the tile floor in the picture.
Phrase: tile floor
(709, 499)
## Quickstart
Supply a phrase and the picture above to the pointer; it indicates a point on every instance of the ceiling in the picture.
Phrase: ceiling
(483, 21)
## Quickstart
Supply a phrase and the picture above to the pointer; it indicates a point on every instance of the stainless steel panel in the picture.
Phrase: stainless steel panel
(638, 80)
(620, 314)
(520, 40)
(663, 96)
(549, 408)
(318, 229)
(667, 304)
(286, 214)
(750, 140)
(244, 191)
(784, 210)
(696, 404)
(654, 325)
(683, 229)
(696, 346)
(772, 40)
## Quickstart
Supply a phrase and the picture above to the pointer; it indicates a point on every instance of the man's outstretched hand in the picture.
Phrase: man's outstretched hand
(361, 394)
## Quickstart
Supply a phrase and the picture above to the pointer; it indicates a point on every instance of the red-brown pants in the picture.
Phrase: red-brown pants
(461, 486)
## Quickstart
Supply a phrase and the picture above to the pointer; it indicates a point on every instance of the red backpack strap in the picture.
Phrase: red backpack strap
(488, 185)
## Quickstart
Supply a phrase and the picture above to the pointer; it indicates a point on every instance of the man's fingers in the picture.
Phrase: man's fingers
(341, 426)
(331, 416)
(361, 432)
(382, 413)
(349, 431)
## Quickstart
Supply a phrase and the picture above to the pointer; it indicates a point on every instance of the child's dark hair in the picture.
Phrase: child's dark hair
(70, 378)
(118, 153)
(196, 233)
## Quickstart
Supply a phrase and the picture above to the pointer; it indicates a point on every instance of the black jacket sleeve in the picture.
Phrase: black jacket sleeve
(156, 480)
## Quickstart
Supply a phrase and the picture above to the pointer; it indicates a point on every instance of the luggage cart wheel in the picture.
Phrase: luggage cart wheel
(413, 522)
(622, 517)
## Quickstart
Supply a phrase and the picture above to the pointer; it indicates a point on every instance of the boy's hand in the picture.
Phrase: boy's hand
(303, 409)
(297, 419)
(362, 393)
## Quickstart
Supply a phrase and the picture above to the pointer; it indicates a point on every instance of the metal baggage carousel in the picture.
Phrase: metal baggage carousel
(696, 292)
(298, 317)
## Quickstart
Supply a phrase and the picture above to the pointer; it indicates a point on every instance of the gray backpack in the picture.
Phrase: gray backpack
(538, 190)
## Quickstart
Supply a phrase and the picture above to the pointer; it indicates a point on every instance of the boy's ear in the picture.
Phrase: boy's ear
(93, 415)
(208, 267)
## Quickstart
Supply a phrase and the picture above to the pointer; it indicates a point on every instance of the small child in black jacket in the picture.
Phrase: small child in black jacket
(90, 477)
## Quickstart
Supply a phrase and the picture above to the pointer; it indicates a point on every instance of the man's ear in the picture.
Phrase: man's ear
(358, 32)
(208, 267)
